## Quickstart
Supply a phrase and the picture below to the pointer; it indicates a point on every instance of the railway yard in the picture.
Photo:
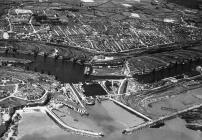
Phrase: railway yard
(100, 67)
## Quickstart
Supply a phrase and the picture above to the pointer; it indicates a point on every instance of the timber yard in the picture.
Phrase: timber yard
(91, 69)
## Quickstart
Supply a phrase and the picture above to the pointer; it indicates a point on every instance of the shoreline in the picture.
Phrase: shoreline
(58, 121)
(52, 116)
(162, 119)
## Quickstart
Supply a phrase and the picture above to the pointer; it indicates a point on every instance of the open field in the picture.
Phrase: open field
(165, 101)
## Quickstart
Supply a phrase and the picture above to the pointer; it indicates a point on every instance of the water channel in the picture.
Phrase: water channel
(64, 71)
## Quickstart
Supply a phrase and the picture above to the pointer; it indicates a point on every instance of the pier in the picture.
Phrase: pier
(76, 94)
(59, 121)
(130, 109)
(161, 119)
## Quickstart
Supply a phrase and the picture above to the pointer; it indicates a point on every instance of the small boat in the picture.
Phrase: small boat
(90, 100)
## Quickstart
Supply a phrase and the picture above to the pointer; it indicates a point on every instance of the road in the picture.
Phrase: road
(16, 90)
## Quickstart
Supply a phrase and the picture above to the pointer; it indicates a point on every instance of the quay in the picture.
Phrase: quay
(79, 131)
(162, 119)
(57, 120)
(130, 109)
(76, 94)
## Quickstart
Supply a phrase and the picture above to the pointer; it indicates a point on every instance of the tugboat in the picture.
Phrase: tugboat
(88, 70)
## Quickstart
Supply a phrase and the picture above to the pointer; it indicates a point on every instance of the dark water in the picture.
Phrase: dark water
(64, 71)
(187, 3)
(93, 89)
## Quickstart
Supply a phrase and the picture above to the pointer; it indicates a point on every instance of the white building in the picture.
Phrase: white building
(23, 11)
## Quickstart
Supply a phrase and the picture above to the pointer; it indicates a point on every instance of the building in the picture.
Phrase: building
(23, 12)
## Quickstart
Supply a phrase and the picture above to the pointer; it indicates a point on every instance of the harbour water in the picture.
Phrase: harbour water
(48, 130)
(64, 71)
